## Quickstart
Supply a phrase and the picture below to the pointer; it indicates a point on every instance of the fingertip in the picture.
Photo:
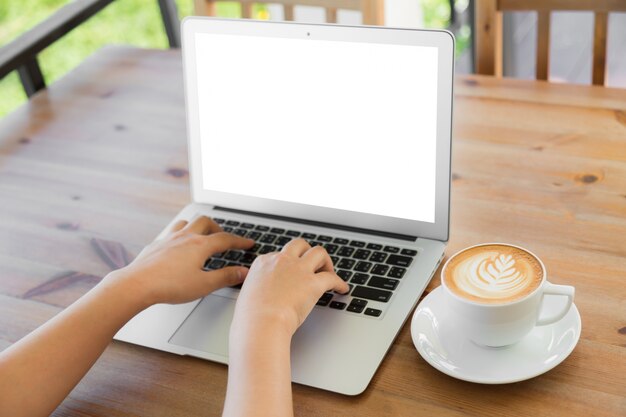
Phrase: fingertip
(242, 272)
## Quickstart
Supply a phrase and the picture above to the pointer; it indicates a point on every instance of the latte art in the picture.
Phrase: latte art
(493, 273)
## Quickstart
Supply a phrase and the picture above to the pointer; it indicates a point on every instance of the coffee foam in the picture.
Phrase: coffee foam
(493, 274)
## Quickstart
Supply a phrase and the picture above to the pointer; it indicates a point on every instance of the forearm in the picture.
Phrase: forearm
(40, 370)
(259, 372)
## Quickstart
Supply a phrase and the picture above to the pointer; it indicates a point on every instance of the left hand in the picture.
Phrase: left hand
(170, 270)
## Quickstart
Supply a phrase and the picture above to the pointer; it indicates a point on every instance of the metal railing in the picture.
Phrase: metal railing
(21, 53)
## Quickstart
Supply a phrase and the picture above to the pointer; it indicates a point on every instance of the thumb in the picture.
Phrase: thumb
(227, 277)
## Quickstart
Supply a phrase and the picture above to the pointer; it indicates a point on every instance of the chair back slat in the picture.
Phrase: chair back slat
(488, 35)
(331, 15)
(246, 10)
(372, 10)
(543, 45)
(288, 12)
(599, 47)
(488, 31)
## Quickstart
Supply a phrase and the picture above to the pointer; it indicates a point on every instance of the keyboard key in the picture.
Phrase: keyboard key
(371, 293)
(374, 246)
(396, 272)
(218, 220)
(255, 248)
(344, 275)
(363, 266)
(357, 244)
(362, 254)
(315, 243)
(232, 223)
(293, 233)
(346, 263)
(335, 259)
(228, 229)
(233, 264)
(277, 230)
(392, 249)
(308, 236)
(360, 278)
(247, 225)
(355, 308)
(399, 260)
(247, 258)
(283, 240)
(330, 248)
(358, 302)
(340, 241)
(380, 269)
(345, 251)
(267, 249)
(409, 252)
(216, 264)
(262, 228)
(378, 257)
(385, 283)
(232, 255)
(240, 232)
(337, 305)
(372, 312)
(268, 238)
(324, 238)
(325, 299)
(254, 235)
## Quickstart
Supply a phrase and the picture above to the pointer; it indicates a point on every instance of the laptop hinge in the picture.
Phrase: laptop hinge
(321, 224)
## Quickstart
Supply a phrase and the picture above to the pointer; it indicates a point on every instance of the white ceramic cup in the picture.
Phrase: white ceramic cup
(496, 325)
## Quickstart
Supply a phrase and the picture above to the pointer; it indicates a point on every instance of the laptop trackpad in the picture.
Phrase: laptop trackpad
(206, 328)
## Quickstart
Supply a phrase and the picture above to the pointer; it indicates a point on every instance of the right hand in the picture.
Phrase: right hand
(283, 287)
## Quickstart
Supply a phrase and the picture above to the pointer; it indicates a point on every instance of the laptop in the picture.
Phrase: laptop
(340, 135)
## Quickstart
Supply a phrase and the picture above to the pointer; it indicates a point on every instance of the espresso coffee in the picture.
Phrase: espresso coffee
(493, 274)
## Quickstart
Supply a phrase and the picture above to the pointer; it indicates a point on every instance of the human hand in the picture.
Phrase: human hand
(169, 270)
(283, 287)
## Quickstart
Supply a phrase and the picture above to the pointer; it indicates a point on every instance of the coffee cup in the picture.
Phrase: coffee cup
(495, 292)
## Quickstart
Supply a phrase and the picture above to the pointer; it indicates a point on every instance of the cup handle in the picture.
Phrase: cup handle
(565, 290)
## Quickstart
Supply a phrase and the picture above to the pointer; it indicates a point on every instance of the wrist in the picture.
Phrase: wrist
(126, 287)
(260, 326)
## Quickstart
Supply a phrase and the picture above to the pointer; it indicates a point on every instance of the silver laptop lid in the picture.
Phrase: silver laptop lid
(336, 124)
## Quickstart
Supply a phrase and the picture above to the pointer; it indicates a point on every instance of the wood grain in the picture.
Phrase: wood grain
(101, 157)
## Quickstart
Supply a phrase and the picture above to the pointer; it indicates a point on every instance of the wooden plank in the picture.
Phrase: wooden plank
(543, 45)
(373, 12)
(488, 26)
(204, 7)
(247, 10)
(102, 154)
(288, 12)
(331, 15)
(599, 47)
(516, 90)
(338, 4)
(571, 5)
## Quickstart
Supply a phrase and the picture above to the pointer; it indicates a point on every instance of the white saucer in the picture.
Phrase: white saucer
(443, 346)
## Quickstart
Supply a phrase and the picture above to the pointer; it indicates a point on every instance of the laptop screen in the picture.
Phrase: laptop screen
(343, 125)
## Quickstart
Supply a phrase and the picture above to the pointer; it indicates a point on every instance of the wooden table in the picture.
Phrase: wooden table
(93, 168)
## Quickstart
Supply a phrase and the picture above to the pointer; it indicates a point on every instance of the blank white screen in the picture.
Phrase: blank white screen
(344, 125)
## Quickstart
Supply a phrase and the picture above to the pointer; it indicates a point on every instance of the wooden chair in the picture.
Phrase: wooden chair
(488, 29)
(372, 10)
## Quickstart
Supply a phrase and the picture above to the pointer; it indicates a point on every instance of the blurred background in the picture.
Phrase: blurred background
(139, 23)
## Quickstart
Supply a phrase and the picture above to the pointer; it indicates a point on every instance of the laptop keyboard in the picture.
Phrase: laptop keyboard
(372, 270)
